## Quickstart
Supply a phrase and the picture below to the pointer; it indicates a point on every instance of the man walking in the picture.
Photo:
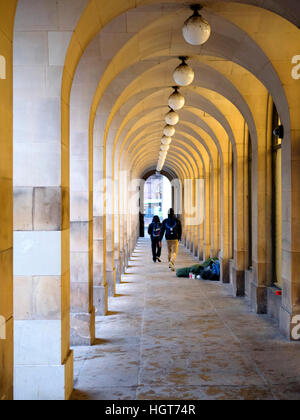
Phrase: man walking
(172, 228)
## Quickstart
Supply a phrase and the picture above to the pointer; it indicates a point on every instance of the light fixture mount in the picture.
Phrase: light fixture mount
(184, 59)
(196, 9)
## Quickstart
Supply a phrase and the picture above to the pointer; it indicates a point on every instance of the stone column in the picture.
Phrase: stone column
(121, 223)
(187, 207)
(194, 216)
(196, 225)
(109, 226)
(215, 212)
(207, 223)
(262, 205)
(117, 260)
(142, 203)
(201, 210)
(43, 360)
(6, 198)
(240, 207)
(100, 284)
(227, 226)
(290, 309)
(81, 233)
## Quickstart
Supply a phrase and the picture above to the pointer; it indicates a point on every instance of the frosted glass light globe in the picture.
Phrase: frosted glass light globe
(184, 75)
(196, 30)
(172, 118)
(166, 140)
(176, 101)
(169, 131)
(164, 147)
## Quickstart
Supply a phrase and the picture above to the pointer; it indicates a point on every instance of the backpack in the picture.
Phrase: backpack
(156, 231)
(212, 272)
(171, 230)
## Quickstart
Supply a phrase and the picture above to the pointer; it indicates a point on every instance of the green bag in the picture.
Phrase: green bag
(195, 269)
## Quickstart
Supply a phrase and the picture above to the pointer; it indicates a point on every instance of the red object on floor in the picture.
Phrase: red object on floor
(279, 293)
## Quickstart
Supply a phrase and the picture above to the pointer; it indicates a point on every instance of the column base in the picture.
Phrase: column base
(206, 252)
(122, 263)
(6, 361)
(237, 279)
(126, 259)
(248, 283)
(200, 251)
(289, 323)
(83, 329)
(259, 299)
(44, 383)
(110, 279)
(195, 250)
(224, 275)
(101, 300)
(274, 303)
(117, 271)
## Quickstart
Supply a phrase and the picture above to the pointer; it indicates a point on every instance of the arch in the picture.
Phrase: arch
(240, 49)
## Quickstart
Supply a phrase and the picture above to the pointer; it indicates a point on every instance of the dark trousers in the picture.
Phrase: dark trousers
(156, 248)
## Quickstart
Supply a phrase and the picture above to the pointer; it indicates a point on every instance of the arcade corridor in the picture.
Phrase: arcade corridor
(168, 338)
(97, 97)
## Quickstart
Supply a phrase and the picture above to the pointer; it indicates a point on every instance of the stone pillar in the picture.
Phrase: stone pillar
(290, 310)
(240, 207)
(142, 206)
(81, 232)
(43, 360)
(116, 197)
(226, 214)
(6, 198)
(262, 205)
(121, 224)
(109, 255)
(215, 211)
(207, 223)
(194, 217)
(100, 285)
(187, 206)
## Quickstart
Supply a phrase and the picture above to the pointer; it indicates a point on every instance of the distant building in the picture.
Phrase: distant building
(157, 198)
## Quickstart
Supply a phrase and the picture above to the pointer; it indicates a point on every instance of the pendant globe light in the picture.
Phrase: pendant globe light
(172, 118)
(169, 131)
(166, 140)
(176, 100)
(184, 75)
(162, 154)
(196, 30)
(164, 147)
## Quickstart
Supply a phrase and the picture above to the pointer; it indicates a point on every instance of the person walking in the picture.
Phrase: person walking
(155, 233)
(172, 228)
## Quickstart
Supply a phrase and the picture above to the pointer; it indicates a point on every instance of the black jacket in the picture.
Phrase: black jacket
(177, 229)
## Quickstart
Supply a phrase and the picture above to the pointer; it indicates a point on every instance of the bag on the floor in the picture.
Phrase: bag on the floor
(212, 272)
(185, 272)
(197, 269)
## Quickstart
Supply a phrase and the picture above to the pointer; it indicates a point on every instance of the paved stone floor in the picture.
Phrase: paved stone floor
(169, 338)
